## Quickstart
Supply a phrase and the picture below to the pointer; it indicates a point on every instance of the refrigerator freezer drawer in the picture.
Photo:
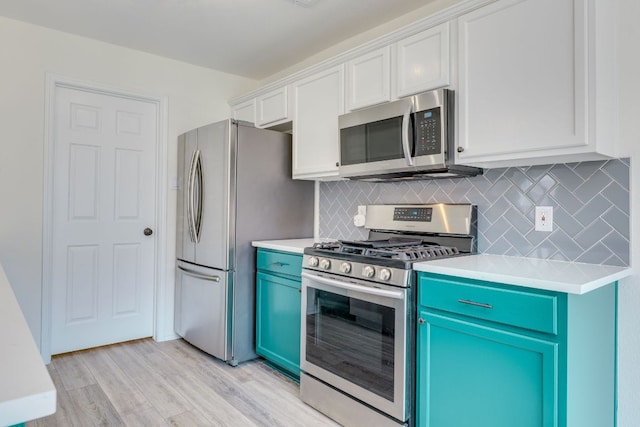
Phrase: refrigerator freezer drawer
(201, 302)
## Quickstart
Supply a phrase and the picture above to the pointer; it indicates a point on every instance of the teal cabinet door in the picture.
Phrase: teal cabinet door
(278, 321)
(473, 375)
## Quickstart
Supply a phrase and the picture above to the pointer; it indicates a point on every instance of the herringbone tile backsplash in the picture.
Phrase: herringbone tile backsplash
(590, 208)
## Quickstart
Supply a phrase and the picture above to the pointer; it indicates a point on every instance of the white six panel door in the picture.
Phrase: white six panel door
(103, 199)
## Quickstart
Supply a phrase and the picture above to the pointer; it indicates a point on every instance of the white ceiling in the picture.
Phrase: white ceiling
(251, 38)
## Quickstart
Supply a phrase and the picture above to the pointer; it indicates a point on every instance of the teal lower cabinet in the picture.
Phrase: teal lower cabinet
(496, 355)
(278, 309)
(480, 376)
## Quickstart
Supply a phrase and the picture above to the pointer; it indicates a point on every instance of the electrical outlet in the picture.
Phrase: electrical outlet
(544, 218)
(360, 218)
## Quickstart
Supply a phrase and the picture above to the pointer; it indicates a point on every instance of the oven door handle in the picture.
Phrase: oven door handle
(351, 287)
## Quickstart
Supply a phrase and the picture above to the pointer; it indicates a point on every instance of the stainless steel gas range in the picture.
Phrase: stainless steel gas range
(359, 303)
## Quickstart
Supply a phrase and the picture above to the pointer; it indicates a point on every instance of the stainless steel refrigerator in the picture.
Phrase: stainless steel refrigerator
(234, 186)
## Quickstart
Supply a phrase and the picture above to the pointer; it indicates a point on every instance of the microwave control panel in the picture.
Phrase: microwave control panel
(428, 132)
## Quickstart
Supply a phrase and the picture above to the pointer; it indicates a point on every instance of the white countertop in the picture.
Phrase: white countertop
(289, 245)
(560, 276)
(26, 389)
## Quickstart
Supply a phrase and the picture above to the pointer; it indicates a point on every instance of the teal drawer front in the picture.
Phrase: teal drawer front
(279, 262)
(528, 310)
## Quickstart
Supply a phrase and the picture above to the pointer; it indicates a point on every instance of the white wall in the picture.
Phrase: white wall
(196, 96)
(629, 292)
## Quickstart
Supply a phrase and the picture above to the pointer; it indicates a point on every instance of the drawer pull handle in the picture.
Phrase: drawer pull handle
(477, 304)
(280, 264)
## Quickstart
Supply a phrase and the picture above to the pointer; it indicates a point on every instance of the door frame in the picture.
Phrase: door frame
(161, 193)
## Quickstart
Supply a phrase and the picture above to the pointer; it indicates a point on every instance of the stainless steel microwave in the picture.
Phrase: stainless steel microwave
(412, 138)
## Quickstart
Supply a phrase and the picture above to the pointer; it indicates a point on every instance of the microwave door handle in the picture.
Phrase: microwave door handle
(406, 120)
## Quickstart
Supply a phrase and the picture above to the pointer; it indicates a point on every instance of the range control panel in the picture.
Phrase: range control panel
(412, 214)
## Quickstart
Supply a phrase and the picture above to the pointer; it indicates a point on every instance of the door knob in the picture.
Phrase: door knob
(148, 232)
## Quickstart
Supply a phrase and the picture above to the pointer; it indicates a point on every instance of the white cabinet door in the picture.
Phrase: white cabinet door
(245, 111)
(272, 107)
(369, 79)
(522, 96)
(318, 101)
(422, 61)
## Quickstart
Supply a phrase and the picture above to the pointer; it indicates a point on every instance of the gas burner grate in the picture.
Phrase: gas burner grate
(413, 253)
(411, 250)
(326, 245)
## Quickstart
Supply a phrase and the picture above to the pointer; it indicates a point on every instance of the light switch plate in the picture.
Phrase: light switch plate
(544, 218)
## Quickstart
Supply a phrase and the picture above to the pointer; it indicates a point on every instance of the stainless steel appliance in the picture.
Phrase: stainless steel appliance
(412, 138)
(234, 186)
(358, 305)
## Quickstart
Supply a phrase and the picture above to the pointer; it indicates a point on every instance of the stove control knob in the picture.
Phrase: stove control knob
(345, 267)
(384, 274)
(313, 261)
(325, 264)
(368, 271)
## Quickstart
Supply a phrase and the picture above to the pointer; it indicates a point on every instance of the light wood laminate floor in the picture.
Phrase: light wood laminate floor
(148, 383)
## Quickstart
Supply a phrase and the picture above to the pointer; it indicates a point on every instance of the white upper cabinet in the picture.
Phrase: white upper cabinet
(318, 101)
(244, 111)
(534, 81)
(272, 108)
(369, 79)
(527, 84)
(423, 61)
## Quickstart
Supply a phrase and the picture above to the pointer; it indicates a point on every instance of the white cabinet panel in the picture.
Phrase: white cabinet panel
(369, 79)
(318, 101)
(523, 95)
(245, 111)
(422, 61)
(272, 107)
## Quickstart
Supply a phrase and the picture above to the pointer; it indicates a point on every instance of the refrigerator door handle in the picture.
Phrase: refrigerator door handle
(199, 205)
(198, 275)
(191, 196)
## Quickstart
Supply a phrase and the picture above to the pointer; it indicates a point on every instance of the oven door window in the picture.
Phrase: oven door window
(372, 142)
(353, 339)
